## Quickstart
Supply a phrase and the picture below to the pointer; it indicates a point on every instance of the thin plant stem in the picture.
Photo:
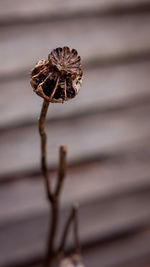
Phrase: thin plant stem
(71, 219)
(46, 175)
(53, 198)
(76, 232)
(61, 170)
(52, 235)
(43, 149)
(66, 231)
(55, 207)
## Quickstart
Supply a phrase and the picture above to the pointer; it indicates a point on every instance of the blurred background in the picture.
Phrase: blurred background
(106, 128)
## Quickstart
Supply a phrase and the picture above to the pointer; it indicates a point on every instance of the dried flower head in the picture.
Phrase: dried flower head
(58, 78)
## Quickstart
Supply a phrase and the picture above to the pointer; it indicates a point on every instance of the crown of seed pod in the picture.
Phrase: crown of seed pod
(58, 78)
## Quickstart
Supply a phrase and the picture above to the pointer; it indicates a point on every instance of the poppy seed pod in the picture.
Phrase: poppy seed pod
(58, 78)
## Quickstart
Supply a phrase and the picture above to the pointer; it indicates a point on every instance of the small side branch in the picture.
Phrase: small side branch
(71, 219)
(66, 230)
(76, 232)
(55, 206)
(43, 148)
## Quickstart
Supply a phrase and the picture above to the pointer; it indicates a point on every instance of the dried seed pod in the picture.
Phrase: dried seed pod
(73, 261)
(59, 78)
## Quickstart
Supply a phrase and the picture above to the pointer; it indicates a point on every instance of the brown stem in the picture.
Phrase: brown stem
(52, 234)
(43, 148)
(66, 231)
(52, 198)
(72, 218)
(76, 232)
(55, 206)
(61, 171)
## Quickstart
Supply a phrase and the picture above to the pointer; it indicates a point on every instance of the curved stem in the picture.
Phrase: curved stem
(43, 148)
(52, 234)
(71, 219)
(61, 170)
(76, 232)
(53, 198)
(55, 205)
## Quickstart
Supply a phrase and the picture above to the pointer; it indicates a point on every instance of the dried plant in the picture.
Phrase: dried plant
(57, 79)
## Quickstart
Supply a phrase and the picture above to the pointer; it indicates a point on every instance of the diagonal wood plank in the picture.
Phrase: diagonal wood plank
(127, 83)
(129, 251)
(140, 262)
(28, 10)
(110, 37)
(86, 136)
(118, 252)
(115, 200)
(98, 220)
(126, 171)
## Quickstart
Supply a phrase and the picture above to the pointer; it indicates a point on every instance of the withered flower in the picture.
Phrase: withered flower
(58, 78)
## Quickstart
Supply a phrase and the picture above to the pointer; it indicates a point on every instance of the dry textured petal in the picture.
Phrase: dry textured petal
(59, 78)
(65, 60)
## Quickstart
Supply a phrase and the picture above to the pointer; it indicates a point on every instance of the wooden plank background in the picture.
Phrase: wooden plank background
(28, 11)
(106, 129)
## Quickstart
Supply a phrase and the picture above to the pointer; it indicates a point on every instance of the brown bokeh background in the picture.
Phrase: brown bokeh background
(106, 128)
